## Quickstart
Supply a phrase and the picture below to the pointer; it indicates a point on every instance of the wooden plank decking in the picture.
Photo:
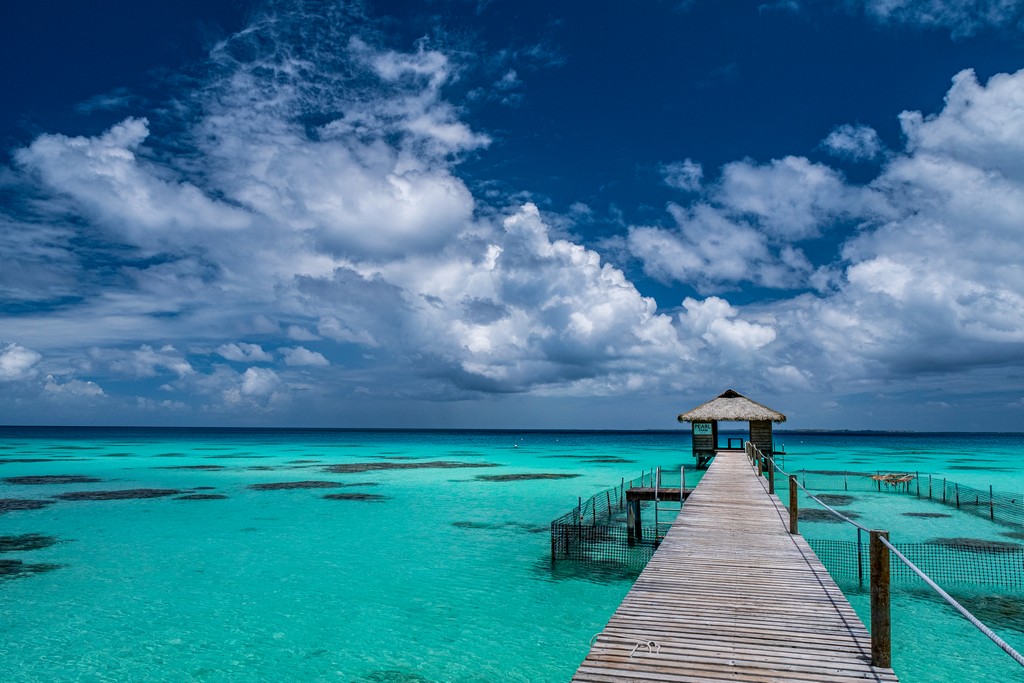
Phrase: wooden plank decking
(731, 596)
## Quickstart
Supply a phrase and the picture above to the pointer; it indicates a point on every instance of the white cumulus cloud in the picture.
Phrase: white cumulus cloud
(243, 352)
(858, 143)
(18, 362)
(301, 356)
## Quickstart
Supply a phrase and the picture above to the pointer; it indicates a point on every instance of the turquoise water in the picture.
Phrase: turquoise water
(446, 578)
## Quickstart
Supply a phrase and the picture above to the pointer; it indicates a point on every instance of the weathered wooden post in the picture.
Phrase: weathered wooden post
(630, 524)
(881, 635)
(991, 507)
(760, 465)
(956, 490)
(682, 482)
(794, 513)
(771, 473)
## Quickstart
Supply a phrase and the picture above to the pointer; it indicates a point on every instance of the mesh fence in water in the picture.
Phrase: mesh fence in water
(1005, 508)
(965, 563)
(596, 529)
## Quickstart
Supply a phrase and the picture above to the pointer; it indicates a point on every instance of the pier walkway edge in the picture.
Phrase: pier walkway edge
(731, 595)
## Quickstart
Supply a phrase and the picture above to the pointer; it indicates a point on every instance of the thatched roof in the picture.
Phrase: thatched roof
(731, 406)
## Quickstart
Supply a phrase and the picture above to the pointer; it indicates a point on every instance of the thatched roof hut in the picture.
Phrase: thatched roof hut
(732, 406)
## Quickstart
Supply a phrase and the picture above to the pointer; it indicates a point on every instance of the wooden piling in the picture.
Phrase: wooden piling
(881, 624)
(630, 524)
(794, 515)
(771, 474)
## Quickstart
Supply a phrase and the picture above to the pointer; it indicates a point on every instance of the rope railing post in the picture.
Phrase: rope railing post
(881, 625)
(794, 513)
(771, 473)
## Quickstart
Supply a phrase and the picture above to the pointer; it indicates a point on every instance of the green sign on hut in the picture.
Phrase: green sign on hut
(731, 406)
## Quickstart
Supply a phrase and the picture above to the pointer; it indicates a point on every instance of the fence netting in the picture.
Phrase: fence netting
(1005, 508)
(596, 529)
(971, 563)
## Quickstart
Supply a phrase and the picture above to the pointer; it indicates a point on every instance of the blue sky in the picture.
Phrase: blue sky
(512, 214)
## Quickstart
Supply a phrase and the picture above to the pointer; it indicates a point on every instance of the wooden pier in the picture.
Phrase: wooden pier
(730, 595)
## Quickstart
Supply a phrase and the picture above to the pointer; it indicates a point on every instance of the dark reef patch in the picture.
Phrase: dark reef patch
(821, 515)
(191, 467)
(202, 496)
(367, 497)
(53, 479)
(170, 455)
(6, 461)
(285, 485)
(835, 499)
(513, 526)
(927, 515)
(391, 676)
(525, 477)
(303, 462)
(981, 468)
(118, 455)
(1014, 534)
(123, 494)
(10, 544)
(604, 573)
(12, 569)
(356, 467)
(983, 545)
(9, 504)
(608, 461)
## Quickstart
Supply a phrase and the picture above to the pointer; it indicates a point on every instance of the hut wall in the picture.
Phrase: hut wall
(761, 435)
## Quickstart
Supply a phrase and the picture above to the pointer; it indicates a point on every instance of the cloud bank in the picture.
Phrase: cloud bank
(315, 243)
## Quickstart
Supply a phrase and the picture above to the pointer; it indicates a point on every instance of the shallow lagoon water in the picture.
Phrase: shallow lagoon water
(446, 577)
